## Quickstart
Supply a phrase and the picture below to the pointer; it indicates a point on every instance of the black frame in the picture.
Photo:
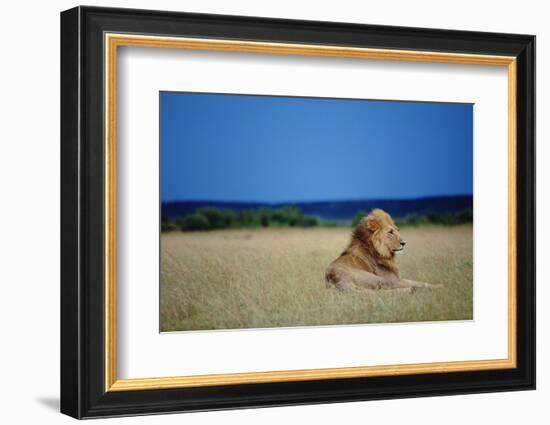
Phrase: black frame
(82, 203)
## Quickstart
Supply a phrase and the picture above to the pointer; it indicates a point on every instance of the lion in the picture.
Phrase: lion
(368, 263)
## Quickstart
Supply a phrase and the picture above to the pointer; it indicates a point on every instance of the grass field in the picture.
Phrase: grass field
(261, 278)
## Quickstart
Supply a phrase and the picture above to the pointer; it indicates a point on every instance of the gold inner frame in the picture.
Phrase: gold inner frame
(113, 41)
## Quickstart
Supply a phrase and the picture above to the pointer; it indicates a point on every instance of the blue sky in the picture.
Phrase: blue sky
(276, 149)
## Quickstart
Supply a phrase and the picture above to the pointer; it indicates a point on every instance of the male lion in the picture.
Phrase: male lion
(369, 260)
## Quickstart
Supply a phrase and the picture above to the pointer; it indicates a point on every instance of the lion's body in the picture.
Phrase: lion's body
(368, 262)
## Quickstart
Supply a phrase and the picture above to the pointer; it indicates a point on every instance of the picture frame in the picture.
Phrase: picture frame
(90, 40)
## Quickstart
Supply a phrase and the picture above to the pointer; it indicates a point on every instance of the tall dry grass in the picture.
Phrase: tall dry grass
(275, 278)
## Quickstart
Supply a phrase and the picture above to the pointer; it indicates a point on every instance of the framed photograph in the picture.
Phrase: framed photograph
(261, 212)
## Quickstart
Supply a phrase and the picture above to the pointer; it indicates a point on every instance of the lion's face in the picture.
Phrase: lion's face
(391, 240)
(380, 230)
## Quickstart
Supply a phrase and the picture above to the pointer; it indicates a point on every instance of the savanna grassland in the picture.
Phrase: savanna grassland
(274, 277)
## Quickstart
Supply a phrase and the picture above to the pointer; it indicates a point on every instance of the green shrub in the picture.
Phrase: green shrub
(247, 218)
(264, 215)
(214, 216)
(194, 222)
(307, 221)
(328, 223)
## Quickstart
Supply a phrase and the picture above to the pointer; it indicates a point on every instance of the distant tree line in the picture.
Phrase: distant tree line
(291, 216)
(444, 219)
(215, 219)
